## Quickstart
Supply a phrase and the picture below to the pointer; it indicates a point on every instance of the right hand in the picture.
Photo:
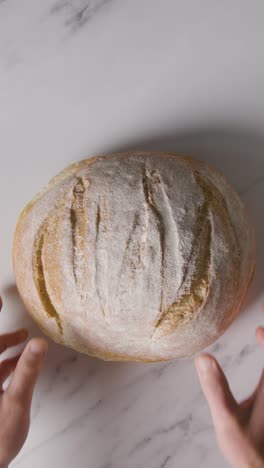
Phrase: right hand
(239, 427)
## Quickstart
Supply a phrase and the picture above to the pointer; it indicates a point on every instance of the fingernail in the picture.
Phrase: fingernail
(205, 364)
(260, 330)
(37, 348)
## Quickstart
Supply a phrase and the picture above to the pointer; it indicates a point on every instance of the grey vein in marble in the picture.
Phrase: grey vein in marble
(165, 462)
(183, 425)
(74, 423)
(77, 12)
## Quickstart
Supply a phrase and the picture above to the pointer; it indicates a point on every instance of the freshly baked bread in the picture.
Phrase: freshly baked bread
(136, 256)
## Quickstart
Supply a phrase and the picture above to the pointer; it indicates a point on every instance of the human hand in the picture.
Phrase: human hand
(239, 427)
(15, 401)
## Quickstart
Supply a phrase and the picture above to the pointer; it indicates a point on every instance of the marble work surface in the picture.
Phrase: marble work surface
(83, 77)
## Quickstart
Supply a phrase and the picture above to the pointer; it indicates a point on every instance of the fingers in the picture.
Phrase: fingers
(232, 440)
(256, 423)
(27, 371)
(215, 388)
(6, 368)
(260, 335)
(245, 408)
(12, 339)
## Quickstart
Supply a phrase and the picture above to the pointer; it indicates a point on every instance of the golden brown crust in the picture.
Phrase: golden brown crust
(47, 251)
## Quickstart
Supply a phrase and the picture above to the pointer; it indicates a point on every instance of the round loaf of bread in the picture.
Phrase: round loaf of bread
(136, 256)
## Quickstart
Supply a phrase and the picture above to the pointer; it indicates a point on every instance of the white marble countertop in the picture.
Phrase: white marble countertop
(82, 77)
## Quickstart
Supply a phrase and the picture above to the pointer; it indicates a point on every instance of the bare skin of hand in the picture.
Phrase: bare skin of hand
(15, 401)
(239, 427)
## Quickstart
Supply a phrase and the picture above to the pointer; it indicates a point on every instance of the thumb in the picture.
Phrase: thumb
(216, 389)
(27, 371)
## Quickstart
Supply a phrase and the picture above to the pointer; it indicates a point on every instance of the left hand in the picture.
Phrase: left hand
(15, 402)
